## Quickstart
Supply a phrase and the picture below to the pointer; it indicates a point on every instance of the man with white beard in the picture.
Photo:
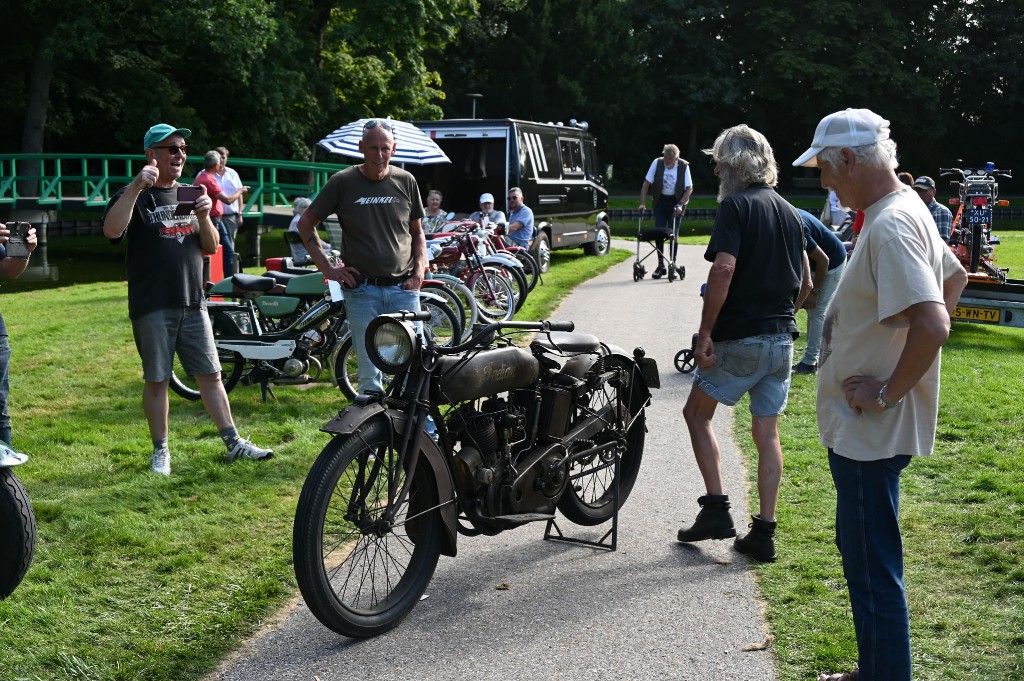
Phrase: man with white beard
(759, 277)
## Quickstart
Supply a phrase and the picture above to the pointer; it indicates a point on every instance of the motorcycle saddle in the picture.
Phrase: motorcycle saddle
(251, 282)
(568, 343)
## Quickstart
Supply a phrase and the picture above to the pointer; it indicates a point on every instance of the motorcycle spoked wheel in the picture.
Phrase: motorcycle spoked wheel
(362, 583)
(589, 497)
(17, 532)
(232, 364)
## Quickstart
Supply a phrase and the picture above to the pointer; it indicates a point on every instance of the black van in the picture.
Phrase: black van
(555, 165)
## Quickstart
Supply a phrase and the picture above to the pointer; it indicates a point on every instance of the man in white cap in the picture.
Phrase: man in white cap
(878, 376)
(925, 188)
(487, 210)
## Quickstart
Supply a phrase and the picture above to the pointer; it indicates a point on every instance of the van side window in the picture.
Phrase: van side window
(590, 165)
(572, 157)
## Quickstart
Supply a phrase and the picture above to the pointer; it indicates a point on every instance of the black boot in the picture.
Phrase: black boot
(759, 543)
(660, 272)
(713, 521)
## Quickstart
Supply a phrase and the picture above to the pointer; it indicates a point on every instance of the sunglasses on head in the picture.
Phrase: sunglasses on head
(374, 122)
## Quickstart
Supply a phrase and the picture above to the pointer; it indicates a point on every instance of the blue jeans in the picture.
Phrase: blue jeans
(231, 228)
(228, 243)
(816, 315)
(363, 304)
(868, 538)
(5, 389)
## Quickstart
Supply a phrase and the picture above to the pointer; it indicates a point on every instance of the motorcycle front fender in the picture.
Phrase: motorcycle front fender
(351, 418)
(504, 260)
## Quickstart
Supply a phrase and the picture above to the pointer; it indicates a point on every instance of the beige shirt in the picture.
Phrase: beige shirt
(899, 261)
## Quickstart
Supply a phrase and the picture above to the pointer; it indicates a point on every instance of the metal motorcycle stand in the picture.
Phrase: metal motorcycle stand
(603, 542)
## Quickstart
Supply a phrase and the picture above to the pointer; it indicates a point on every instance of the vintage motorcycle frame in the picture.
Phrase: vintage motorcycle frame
(517, 435)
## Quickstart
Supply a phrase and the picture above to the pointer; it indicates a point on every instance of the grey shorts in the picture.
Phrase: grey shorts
(185, 330)
(759, 365)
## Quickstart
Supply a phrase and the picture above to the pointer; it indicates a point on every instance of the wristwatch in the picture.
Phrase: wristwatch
(880, 399)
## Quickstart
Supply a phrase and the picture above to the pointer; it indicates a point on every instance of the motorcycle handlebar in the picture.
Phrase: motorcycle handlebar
(487, 331)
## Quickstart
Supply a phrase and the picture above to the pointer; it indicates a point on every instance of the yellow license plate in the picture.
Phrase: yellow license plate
(982, 315)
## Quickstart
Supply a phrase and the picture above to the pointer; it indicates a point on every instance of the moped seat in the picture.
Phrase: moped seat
(568, 343)
(251, 282)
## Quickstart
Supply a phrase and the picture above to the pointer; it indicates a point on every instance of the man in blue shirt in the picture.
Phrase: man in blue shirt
(520, 219)
(828, 258)
(925, 188)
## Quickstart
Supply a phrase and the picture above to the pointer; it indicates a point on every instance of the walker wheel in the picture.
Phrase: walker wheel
(684, 361)
(671, 273)
(682, 272)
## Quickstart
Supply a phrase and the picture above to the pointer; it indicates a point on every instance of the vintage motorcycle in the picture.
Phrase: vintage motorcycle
(971, 236)
(519, 434)
(17, 523)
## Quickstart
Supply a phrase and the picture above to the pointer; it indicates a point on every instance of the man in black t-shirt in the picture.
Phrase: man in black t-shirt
(164, 260)
(759, 277)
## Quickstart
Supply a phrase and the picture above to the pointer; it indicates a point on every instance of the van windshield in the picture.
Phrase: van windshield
(478, 166)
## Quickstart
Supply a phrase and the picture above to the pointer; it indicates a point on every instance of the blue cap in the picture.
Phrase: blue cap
(160, 132)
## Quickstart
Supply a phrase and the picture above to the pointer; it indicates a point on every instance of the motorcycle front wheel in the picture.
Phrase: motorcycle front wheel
(360, 575)
(17, 532)
(231, 364)
(590, 495)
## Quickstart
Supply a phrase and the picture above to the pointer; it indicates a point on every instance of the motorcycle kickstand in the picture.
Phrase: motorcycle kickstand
(265, 389)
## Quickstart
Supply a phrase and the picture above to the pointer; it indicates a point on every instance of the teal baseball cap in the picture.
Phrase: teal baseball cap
(160, 132)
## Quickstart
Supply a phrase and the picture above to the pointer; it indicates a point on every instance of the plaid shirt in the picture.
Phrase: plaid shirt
(943, 219)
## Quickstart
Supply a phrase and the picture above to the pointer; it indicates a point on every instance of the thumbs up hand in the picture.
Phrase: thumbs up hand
(147, 177)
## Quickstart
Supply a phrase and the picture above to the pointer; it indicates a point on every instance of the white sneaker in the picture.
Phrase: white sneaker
(161, 461)
(243, 449)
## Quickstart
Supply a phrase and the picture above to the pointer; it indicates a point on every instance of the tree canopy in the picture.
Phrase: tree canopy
(269, 79)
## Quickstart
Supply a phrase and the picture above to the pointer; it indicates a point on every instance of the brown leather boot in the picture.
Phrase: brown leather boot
(713, 521)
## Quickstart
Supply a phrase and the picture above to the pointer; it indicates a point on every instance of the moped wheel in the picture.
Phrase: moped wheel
(589, 497)
(360, 575)
(231, 364)
(515, 278)
(443, 326)
(346, 370)
(493, 294)
(451, 298)
(17, 532)
(530, 268)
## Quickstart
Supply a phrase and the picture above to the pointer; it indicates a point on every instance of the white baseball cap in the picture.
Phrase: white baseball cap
(487, 198)
(849, 128)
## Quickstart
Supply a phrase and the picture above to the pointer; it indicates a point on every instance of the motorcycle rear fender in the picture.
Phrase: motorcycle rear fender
(644, 377)
(351, 418)
(505, 260)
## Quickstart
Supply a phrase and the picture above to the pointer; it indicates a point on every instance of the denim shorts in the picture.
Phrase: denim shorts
(185, 329)
(759, 365)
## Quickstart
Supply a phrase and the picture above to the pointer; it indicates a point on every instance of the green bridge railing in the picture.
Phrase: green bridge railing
(89, 180)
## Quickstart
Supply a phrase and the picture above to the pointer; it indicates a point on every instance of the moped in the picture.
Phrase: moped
(17, 523)
(519, 434)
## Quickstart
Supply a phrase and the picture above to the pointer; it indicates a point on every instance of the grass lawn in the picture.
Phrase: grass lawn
(139, 576)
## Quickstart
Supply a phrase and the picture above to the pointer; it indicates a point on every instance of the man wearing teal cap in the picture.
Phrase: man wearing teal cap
(164, 260)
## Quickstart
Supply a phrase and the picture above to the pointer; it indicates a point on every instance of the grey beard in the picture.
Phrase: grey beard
(728, 183)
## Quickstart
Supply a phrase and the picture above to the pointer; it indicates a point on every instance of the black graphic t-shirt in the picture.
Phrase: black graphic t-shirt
(164, 261)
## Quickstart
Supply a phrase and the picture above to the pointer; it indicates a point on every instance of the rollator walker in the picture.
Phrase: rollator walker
(673, 272)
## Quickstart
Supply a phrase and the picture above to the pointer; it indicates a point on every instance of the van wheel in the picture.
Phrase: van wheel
(602, 241)
(542, 252)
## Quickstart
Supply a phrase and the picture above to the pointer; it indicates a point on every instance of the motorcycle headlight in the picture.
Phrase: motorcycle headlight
(390, 344)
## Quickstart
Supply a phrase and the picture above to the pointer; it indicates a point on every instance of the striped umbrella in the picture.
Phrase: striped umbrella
(414, 145)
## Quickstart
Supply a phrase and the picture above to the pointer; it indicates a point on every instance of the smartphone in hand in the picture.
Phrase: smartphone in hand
(17, 242)
(187, 195)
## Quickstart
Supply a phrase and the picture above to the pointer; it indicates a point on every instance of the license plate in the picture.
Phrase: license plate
(982, 215)
(980, 315)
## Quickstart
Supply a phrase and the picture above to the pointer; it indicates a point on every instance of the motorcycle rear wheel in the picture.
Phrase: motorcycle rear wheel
(362, 583)
(590, 495)
(232, 364)
(17, 532)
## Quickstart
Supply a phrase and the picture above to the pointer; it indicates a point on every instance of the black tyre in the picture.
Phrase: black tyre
(976, 239)
(530, 268)
(517, 279)
(450, 296)
(346, 370)
(542, 252)
(602, 243)
(443, 327)
(231, 363)
(359, 575)
(17, 532)
(685, 361)
(589, 498)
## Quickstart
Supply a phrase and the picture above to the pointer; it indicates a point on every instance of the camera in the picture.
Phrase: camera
(187, 195)
(17, 242)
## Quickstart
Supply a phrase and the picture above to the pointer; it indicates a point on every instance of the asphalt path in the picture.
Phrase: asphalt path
(517, 607)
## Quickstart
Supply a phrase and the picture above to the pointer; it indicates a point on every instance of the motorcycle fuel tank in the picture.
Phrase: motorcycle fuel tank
(486, 373)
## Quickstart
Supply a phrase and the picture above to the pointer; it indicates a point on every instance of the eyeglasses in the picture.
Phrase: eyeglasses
(175, 148)
(374, 122)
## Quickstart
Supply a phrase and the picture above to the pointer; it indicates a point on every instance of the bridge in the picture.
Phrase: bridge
(36, 188)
